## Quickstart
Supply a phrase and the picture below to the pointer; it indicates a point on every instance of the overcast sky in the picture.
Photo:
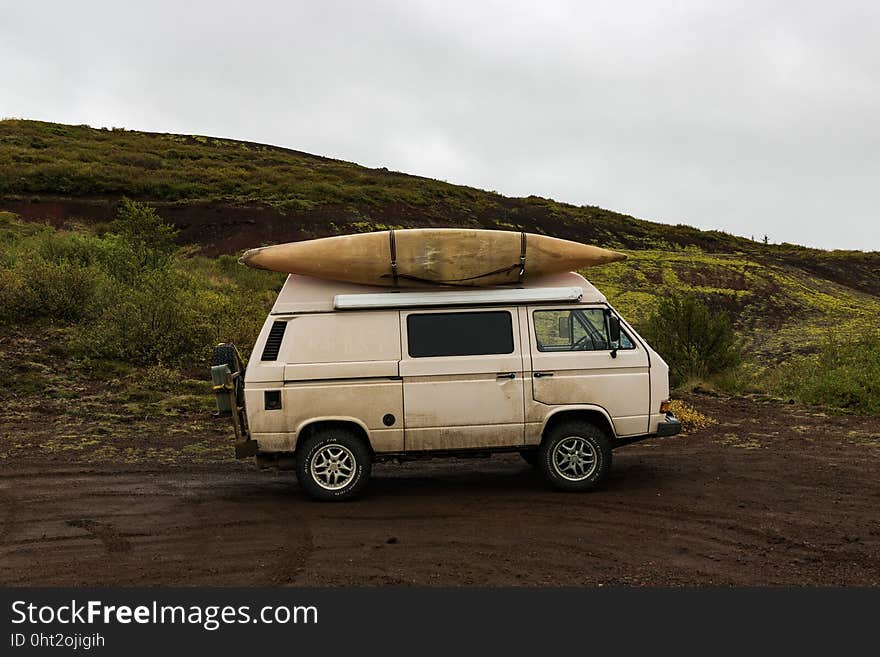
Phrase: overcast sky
(750, 117)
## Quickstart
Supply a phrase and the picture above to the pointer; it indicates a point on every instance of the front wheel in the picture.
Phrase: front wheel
(333, 465)
(575, 456)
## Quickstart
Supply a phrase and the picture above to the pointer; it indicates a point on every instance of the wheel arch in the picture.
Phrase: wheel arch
(310, 426)
(586, 412)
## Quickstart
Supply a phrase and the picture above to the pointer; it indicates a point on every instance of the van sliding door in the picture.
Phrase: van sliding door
(462, 379)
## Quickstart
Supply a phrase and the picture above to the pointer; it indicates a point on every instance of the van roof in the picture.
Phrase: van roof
(304, 294)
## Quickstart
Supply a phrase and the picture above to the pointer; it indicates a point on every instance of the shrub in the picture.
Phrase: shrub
(37, 288)
(173, 316)
(139, 242)
(691, 339)
(10, 295)
(843, 374)
(155, 321)
(130, 293)
(68, 247)
(691, 419)
(62, 291)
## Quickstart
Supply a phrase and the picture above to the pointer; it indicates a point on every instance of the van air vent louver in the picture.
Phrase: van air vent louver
(273, 342)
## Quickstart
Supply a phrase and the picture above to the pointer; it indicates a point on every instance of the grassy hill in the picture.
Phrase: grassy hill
(247, 191)
(226, 195)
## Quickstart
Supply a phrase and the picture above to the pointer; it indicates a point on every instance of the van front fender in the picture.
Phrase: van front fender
(593, 412)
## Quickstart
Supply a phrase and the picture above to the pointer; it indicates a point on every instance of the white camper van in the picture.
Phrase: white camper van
(344, 375)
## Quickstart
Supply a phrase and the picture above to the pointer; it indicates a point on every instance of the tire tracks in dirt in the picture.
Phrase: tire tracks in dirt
(245, 527)
(113, 541)
(690, 510)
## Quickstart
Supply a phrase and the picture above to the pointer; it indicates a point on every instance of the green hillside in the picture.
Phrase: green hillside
(46, 161)
(225, 195)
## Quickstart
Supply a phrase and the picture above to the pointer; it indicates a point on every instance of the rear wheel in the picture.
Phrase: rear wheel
(575, 456)
(333, 464)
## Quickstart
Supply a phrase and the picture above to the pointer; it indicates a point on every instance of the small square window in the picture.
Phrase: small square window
(272, 400)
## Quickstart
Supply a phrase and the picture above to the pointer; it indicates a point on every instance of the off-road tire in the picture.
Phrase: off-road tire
(321, 443)
(227, 354)
(592, 441)
(531, 456)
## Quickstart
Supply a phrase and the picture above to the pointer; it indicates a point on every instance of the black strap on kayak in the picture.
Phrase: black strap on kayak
(393, 256)
(522, 257)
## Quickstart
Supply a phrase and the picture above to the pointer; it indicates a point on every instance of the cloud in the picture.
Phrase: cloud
(750, 117)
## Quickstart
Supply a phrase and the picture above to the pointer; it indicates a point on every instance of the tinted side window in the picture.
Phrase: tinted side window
(459, 334)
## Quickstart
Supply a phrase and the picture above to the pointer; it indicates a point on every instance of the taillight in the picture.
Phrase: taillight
(664, 406)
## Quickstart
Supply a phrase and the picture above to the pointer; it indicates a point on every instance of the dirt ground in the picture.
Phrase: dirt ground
(773, 494)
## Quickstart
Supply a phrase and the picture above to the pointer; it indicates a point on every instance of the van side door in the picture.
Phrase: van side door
(462, 379)
(573, 362)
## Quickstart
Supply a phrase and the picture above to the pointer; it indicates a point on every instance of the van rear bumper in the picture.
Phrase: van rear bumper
(670, 427)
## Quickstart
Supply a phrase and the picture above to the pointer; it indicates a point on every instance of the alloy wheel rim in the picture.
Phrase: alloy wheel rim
(333, 467)
(574, 458)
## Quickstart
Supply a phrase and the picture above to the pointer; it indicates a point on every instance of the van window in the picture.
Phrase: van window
(459, 334)
(575, 330)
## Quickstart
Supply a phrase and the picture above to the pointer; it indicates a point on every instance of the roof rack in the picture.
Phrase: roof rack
(457, 298)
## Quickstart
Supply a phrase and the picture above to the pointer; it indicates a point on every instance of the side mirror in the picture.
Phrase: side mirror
(614, 329)
(564, 328)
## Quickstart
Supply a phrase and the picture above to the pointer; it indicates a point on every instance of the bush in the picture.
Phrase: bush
(130, 293)
(139, 242)
(843, 374)
(156, 321)
(694, 342)
(59, 290)
(36, 288)
(68, 247)
(691, 419)
(65, 276)
(10, 295)
(173, 316)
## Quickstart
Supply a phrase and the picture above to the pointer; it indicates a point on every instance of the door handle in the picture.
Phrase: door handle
(506, 375)
(539, 375)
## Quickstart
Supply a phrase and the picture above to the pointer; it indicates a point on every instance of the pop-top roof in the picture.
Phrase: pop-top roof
(303, 294)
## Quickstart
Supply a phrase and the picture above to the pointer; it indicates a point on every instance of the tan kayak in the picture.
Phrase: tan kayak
(430, 256)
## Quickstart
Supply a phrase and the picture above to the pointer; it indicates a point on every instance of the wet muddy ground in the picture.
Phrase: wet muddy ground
(773, 494)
